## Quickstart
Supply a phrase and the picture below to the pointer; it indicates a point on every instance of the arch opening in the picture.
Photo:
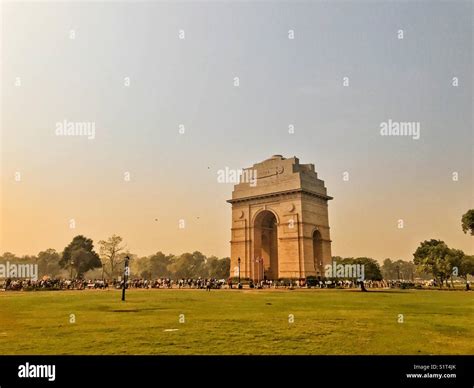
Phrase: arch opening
(265, 260)
(318, 253)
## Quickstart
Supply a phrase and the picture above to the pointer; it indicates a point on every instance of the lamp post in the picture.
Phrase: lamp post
(126, 272)
(255, 269)
(238, 262)
(259, 260)
(72, 266)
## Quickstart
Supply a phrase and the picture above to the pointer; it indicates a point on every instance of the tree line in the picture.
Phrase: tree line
(432, 259)
(80, 259)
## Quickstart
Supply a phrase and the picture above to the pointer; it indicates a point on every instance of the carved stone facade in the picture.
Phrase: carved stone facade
(280, 226)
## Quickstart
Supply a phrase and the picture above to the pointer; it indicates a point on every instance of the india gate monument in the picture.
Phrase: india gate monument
(280, 226)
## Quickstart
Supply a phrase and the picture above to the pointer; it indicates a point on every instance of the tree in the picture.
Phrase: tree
(371, 268)
(405, 269)
(218, 268)
(455, 258)
(189, 265)
(388, 270)
(183, 266)
(467, 222)
(48, 262)
(80, 252)
(396, 270)
(158, 265)
(8, 256)
(432, 257)
(84, 261)
(110, 254)
(423, 250)
(467, 266)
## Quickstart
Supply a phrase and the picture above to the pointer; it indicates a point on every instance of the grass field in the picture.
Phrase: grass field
(237, 322)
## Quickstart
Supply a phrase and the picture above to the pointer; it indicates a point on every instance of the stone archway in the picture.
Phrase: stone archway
(318, 253)
(275, 216)
(265, 246)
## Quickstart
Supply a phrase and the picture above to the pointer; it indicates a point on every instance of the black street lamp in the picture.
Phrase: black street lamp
(258, 269)
(126, 272)
(259, 261)
(72, 266)
(238, 262)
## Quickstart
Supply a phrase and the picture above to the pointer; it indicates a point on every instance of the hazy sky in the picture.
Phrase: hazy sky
(51, 74)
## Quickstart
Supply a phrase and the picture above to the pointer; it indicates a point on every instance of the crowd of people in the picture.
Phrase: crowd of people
(199, 283)
(83, 284)
(327, 283)
(52, 284)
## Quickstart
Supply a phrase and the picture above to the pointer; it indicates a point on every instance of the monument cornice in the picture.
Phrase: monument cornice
(278, 194)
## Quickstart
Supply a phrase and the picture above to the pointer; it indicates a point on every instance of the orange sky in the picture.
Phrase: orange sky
(48, 77)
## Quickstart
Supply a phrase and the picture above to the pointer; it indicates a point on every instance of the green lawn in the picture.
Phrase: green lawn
(237, 322)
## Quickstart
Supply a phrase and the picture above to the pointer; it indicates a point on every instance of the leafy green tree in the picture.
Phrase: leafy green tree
(423, 250)
(371, 268)
(219, 268)
(455, 258)
(462, 265)
(80, 255)
(189, 265)
(158, 265)
(183, 266)
(48, 262)
(140, 267)
(388, 269)
(467, 222)
(467, 266)
(405, 269)
(8, 256)
(433, 257)
(84, 261)
(398, 270)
